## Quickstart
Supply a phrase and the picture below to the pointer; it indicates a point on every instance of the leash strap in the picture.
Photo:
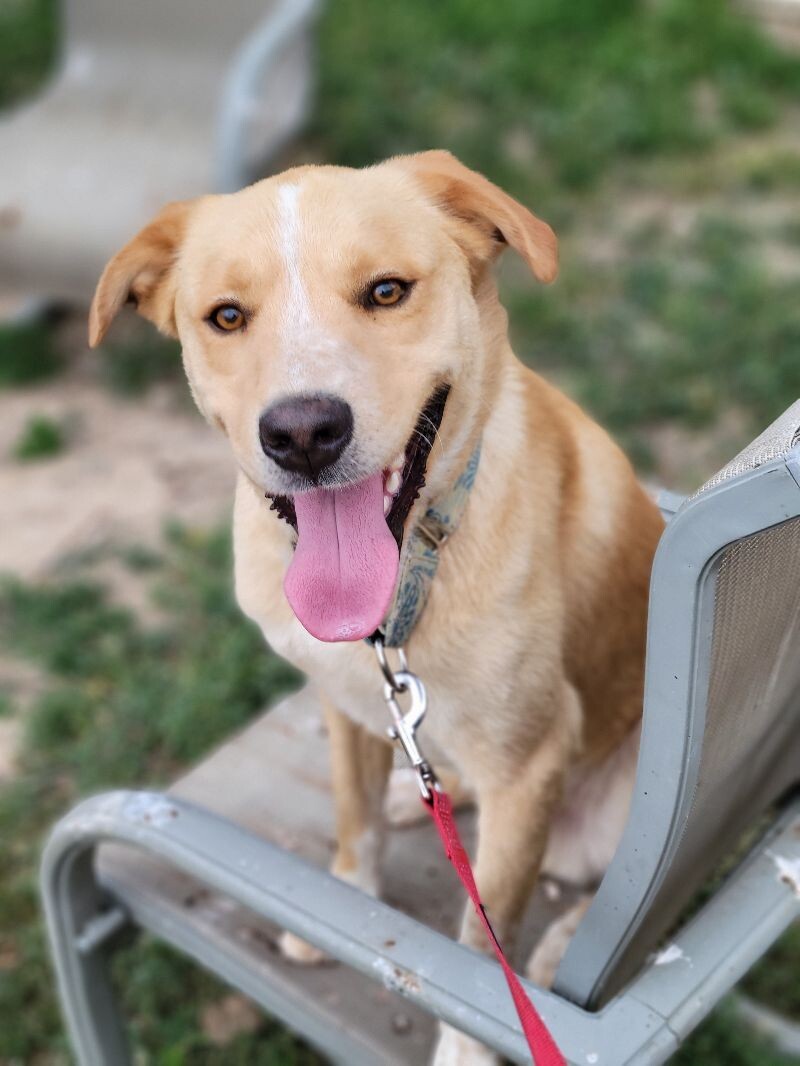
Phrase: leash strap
(543, 1049)
(403, 682)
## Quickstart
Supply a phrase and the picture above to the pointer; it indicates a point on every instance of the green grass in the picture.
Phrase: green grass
(41, 438)
(544, 95)
(125, 705)
(161, 992)
(29, 34)
(774, 981)
(28, 353)
(776, 170)
(725, 1041)
(680, 330)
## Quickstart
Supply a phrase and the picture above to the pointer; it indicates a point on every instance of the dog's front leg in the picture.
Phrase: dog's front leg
(514, 811)
(360, 765)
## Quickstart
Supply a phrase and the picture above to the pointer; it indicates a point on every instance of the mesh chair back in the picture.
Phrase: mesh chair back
(721, 734)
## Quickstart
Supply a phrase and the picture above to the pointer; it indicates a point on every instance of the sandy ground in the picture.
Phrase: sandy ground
(128, 466)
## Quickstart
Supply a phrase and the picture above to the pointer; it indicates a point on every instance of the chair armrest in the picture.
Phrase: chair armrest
(441, 976)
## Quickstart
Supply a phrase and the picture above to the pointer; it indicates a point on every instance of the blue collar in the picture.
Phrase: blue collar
(421, 561)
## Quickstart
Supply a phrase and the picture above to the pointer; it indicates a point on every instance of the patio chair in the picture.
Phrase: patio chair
(152, 102)
(216, 865)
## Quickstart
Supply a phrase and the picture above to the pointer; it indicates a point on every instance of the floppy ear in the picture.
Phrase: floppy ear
(143, 274)
(497, 217)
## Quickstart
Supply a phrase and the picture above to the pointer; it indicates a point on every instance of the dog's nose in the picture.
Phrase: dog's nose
(306, 433)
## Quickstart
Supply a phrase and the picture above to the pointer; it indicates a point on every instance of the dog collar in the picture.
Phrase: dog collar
(421, 561)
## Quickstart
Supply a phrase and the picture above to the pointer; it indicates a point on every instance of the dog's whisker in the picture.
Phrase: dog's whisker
(422, 437)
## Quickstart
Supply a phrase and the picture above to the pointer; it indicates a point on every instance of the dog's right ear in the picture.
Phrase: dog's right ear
(143, 274)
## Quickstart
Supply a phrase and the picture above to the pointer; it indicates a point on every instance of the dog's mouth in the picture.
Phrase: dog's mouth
(342, 577)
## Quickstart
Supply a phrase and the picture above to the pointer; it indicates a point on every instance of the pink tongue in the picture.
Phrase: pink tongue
(341, 580)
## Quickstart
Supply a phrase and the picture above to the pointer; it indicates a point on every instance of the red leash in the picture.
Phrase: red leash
(544, 1050)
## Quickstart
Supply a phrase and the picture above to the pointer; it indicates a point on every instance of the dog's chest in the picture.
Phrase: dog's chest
(349, 677)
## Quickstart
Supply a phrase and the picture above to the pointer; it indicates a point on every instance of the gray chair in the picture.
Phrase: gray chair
(153, 101)
(233, 852)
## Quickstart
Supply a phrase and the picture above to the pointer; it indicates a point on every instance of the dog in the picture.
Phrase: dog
(343, 328)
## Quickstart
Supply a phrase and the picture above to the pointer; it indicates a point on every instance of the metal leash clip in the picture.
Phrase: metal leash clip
(404, 726)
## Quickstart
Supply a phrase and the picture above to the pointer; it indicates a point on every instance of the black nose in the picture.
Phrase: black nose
(306, 433)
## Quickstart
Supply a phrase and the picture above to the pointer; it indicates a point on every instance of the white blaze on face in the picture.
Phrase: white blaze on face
(313, 358)
(297, 319)
(297, 310)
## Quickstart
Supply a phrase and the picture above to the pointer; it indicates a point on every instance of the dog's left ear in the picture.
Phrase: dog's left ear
(497, 217)
(143, 274)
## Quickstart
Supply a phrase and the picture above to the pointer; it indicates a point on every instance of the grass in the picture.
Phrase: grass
(774, 980)
(125, 705)
(29, 34)
(155, 982)
(28, 353)
(41, 438)
(547, 94)
(724, 1041)
(680, 330)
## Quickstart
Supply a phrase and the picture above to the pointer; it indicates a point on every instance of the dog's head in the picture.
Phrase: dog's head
(339, 326)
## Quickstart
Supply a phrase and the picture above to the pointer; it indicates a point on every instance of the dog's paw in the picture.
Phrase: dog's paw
(548, 953)
(457, 1049)
(300, 951)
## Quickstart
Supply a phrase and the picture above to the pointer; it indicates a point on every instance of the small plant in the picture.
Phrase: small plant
(41, 438)
(27, 353)
(29, 32)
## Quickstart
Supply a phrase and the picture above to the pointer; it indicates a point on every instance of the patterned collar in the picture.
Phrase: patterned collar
(421, 561)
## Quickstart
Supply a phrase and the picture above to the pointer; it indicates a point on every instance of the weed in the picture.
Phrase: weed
(29, 33)
(41, 438)
(27, 353)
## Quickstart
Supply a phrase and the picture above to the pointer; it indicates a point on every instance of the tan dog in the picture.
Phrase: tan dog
(321, 312)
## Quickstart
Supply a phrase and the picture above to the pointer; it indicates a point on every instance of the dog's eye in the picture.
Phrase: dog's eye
(228, 317)
(387, 292)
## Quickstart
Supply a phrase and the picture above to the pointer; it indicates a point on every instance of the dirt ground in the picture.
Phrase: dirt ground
(129, 465)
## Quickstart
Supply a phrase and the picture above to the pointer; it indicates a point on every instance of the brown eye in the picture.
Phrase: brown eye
(387, 292)
(228, 318)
